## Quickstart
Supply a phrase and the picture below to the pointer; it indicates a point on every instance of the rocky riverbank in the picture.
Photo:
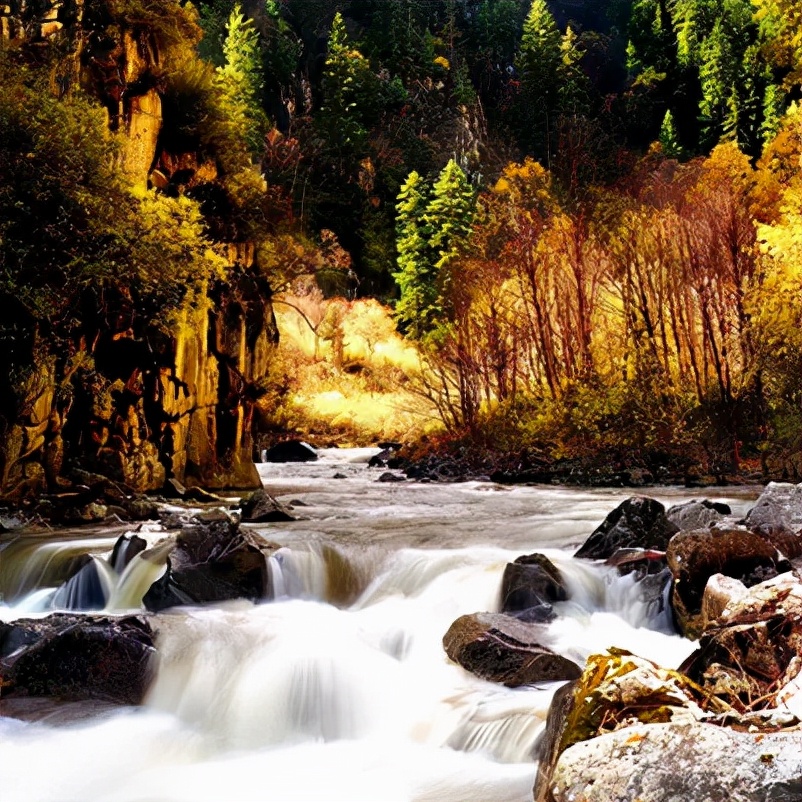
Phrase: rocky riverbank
(727, 723)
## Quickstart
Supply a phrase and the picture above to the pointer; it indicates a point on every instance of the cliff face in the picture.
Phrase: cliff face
(131, 401)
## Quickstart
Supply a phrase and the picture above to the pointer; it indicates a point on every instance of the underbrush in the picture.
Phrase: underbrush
(343, 375)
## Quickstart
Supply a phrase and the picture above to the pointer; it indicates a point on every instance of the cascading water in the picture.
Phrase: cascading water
(338, 687)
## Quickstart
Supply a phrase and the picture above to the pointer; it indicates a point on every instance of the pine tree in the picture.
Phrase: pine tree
(416, 275)
(669, 139)
(345, 72)
(538, 65)
(773, 103)
(432, 225)
(240, 81)
(449, 213)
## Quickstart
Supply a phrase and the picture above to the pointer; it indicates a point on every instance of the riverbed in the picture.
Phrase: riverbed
(337, 688)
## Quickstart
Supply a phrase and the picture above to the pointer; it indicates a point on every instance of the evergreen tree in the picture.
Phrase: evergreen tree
(240, 80)
(773, 103)
(343, 91)
(416, 275)
(432, 225)
(716, 75)
(669, 139)
(538, 64)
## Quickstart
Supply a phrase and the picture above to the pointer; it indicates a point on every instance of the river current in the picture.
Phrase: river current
(338, 689)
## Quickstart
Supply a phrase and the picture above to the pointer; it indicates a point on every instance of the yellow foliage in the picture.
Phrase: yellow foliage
(443, 62)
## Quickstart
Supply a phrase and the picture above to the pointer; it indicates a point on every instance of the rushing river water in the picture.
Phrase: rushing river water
(338, 688)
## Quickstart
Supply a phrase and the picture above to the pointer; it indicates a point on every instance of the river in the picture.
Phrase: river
(338, 688)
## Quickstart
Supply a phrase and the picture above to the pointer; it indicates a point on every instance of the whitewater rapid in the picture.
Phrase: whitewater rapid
(338, 688)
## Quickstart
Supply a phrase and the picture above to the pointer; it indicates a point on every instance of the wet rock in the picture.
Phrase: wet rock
(549, 745)
(291, 451)
(125, 549)
(779, 507)
(387, 476)
(260, 507)
(532, 581)
(694, 557)
(83, 591)
(754, 647)
(697, 514)
(381, 459)
(616, 691)
(681, 761)
(77, 657)
(641, 561)
(209, 562)
(638, 522)
(502, 649)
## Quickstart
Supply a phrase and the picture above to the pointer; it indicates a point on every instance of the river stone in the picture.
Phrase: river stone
(291, 451)
(697, 514)
(125, 549)
(754, 648)
(260, 507)
(779, 506)
(84, 590)
(503, 649)
(639, 522)
(681, 762)
(531, 581)
(694, 557)
(720, 591)
(212, 562)
(77, 657)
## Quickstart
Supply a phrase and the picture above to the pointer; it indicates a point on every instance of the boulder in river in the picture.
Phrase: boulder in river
(260, 507)
(531, 581)
(697, 514)
(77, 657)
(125, 549)
(680, 761)
(694, 557)
(639, 522)
(501, 648)
(616, 690)
(212, 562)
(779, 506)
(291, 451)
(753, 650)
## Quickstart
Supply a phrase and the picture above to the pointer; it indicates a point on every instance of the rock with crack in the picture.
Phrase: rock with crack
(504, 649)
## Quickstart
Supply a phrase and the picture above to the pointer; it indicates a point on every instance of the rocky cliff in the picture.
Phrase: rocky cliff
(133, 401)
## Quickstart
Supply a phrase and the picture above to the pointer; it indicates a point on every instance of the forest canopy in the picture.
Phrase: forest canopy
(585, 215)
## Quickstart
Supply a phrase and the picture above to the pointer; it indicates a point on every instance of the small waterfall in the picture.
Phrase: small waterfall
(89, 589)
(31, 564)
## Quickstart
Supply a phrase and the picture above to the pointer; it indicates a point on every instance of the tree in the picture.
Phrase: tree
(669, 139)
(241, 82)
(416, 275)
(538, 64)
(432, 225)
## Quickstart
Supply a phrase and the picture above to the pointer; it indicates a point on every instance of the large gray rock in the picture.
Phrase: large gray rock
(697, 514)
(678, 763)
(503, 649)
(779, 506)
(638, 522)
